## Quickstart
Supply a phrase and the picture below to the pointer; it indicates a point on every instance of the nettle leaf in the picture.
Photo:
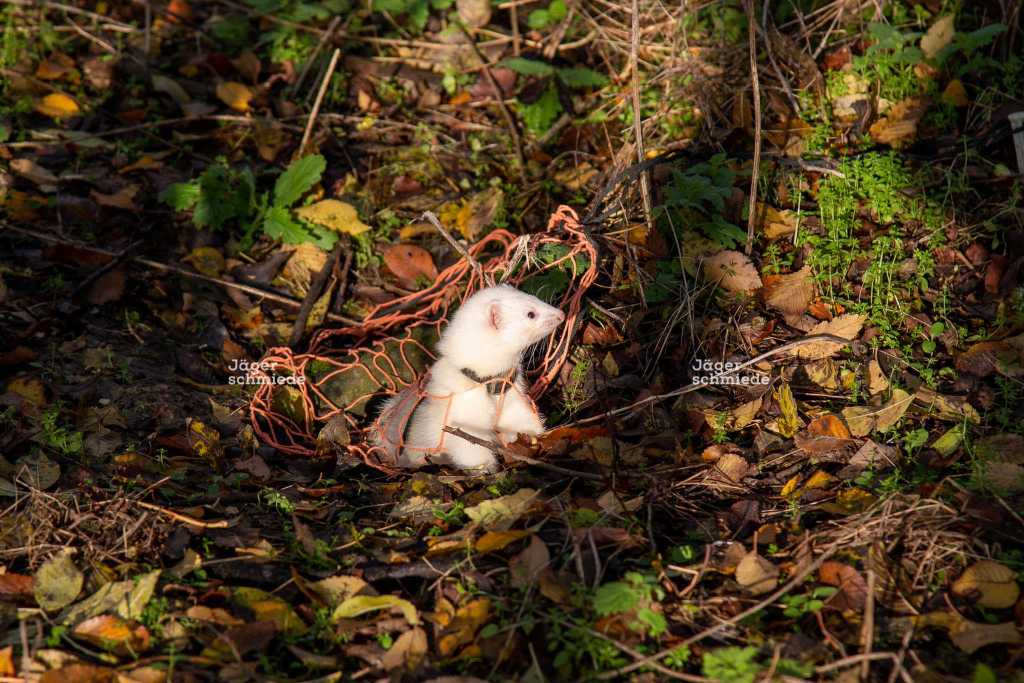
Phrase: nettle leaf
(528, 67)
(298, 179)
(582, 78)
(614, 598)
(723, 232)
(539, 115)
(538, 19)
(557, 10)
(278, 224)
(419, 12)
(180, 196)
(224, 195)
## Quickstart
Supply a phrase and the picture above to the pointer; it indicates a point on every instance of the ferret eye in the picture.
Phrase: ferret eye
(531, 315)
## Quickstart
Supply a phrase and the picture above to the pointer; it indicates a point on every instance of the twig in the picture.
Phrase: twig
(463, 252)
(504, 452)
(346, 268)
(319, 100)
(316, 286)
(638, 127)
(167, 268)
(499, 98)
(756, 168)
(868, 628)
(316, 52)
(177, 516)
(694, 387)
(106, 268)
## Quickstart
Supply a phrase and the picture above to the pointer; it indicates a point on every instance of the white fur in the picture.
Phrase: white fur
(487, 335)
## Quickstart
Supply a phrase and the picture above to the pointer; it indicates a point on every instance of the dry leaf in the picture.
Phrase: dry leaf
(55, 67)
(899, 125)
(235, 95)
(877, 381)
(57, 106)
(778, 223)
(756, 574)
(846, 326)
(791, 294)
(525, 567)
(946, 407)
(938, 36)
(789, 421)
(496, 540)
(111, 632)
(478, 211)
(170, 87)
(994, 584)
(955, 94)
(501, 513)
(409, 263)
(334, 214)
(122, 199)
(248, 64)
(30, 170)
(58, 581)
(862, 420)
(853, 589)
(732, 271)
(474, 13)
(408, 650)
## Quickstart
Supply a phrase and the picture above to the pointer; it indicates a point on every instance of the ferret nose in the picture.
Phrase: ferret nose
(558, 317)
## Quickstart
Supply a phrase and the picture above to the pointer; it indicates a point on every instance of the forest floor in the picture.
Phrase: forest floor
(191, 187)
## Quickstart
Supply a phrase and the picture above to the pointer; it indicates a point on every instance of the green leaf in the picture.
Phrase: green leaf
(180, 196)
(557, 10)
(298, 179)
(223, 196)
(322, 237)
(582, 78)
(539, 115)
(419, 12)
(614, 598)
(278, 224)
(538, 19)
(528, 67)
(655, 622)
(389, 6)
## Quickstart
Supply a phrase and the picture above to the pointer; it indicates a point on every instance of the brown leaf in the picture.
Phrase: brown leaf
(525, 567)
(248, 64)
(955, 94)
(122, 199)
(853, 589)
(899, 125)
(107, 287)
(791, 294)
(16, 588)
(409, 263)
(30, 170)
(733, 271)
(408, 650)
(474, 13)
(478, 212)
(846, 326)
(938, 36)
(79, 673)
(993, 583)
(756, 574)
(114, 634)
(55, 67)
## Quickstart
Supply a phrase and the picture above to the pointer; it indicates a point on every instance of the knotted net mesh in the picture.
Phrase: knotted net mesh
(331, 385)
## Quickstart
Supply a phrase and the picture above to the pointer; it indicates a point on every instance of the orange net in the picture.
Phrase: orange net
(299, 394)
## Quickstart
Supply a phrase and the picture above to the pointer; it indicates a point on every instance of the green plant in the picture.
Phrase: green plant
(66, 441)
(696, 196)
(276, 501)
(636, 595)
(539, 114)
(731, 664)
(552, 14)
(799, 605)
(577, 649)
(221, 196)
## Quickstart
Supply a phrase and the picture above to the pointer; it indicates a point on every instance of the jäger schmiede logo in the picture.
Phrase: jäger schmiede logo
(710, 373)
(259, 372)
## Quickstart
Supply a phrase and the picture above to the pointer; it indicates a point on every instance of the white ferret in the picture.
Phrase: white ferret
(475, 385)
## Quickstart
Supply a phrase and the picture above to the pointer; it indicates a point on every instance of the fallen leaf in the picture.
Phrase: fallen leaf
(335, 590)
(478, 212)
(58, 581)
(57, 106)
(853, 589)
(170, 87)
(335, 215)
(971, 636)
(789, 421)
(525, 567)
(496, 540)
(361, 604)
(474, 13)
(16, 588)
(776, 223)
(735, 419)
(874, 455)
(938, 36)
(946, 407)
(114, 634)
(32, 171)
(862, 420)
(248, 64)
(467, 620)
(122, 199)
(733, 272)
(899, 125)
(206, 260)
(846, 326)
(268, 607)
(409, 263)
(407, 652)
(756, 574)
(876, 380)
(55, 67)
(79, 673)
(994, 584)
(501, 513)
(791, 294)
(955, 94)
(235, 95)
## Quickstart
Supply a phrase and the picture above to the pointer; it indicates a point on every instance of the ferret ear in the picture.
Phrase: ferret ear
(494, 315)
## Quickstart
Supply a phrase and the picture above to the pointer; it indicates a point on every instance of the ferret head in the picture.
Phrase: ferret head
(493, 327)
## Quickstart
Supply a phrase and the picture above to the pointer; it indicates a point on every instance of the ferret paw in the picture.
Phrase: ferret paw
(471, 457)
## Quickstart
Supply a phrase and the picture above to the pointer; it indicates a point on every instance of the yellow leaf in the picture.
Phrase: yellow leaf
(361, 604)
(207, 260)
(789, 421)
(995, 584)
(819, 480)
(57, 106)
(496, 540)
(478, 211)
(335, 215)
(268, 607)
(235, 95)
(790, 486)
(501, 513)
(938, 36)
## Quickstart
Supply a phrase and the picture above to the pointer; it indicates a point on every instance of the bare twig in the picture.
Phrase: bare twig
(506, 453)
(319, 100)
(165, 267)
(463, 252)
(177, 516)
(868, 628)
(499, 98)
(638, 124)
(756, 167)
(316, 52)
(316, 286)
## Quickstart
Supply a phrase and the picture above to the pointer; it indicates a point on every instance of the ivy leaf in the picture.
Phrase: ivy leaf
(278, 224)
(614, 598)
(298, 179)
(528, 67)
(181, 196)
(539, 115)
(582, 78)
